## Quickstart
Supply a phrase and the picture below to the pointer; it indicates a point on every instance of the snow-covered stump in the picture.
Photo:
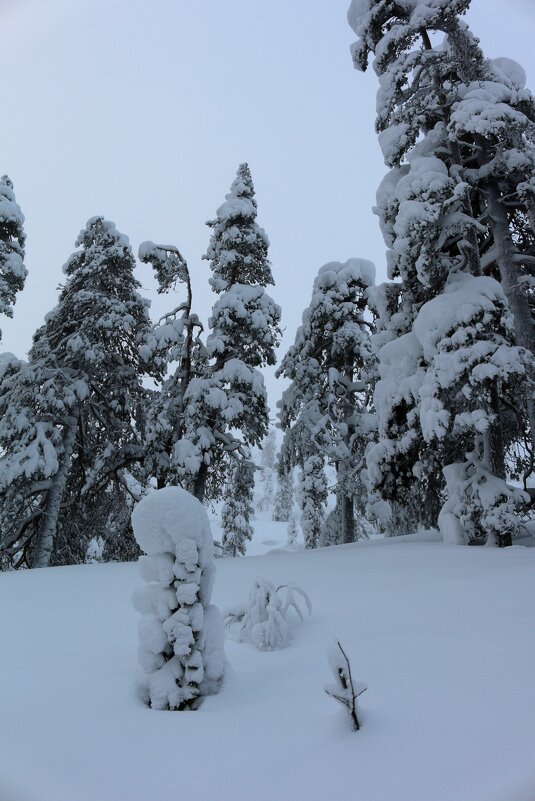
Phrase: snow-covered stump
(180, 632)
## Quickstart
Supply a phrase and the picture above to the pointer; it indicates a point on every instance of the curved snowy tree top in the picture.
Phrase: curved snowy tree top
(365, 14)
(422, 8)
(165, 519)
(169, 264)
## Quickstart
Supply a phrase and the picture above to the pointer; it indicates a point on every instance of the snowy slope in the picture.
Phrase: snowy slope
(442, 635)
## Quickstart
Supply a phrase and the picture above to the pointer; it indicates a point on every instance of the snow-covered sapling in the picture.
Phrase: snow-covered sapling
(345, 690)
(180, 632)
(95, 550)
(264, 618)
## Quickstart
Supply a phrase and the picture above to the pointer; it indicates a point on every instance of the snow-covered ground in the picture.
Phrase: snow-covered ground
(442, 635)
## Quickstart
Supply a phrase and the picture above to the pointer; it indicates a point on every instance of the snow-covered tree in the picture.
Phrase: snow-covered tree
(264, 618)
(67, 430)
(174, 339)
(180, 632)
(457, 131)
(284, 498)
(465, 336)
(227, 407)
(313, 499)
(12, 270)
(267, 472)
(325, 408)
(238, 509)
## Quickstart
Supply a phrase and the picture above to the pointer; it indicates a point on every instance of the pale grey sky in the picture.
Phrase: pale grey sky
(141, 112)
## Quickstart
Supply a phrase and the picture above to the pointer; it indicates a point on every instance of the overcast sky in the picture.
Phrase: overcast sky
(141, 112)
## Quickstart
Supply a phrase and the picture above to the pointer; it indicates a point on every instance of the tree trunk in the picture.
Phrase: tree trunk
(493, 447)
(49, 520)
(518, 303)
(346, 506)
(348, 518)
(199, 485)
(505, 251)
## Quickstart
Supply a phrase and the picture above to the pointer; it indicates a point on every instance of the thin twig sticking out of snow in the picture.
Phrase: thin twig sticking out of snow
(346, 691)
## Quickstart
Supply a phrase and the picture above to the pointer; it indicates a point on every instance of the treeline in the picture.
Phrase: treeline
(81, 437)
(419, 391)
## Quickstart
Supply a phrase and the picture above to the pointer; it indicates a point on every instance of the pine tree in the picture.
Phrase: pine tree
(12, 270)
(69, 432)
(175, 339)
(226, 408)
(238, 509)
(457, 132)
(324, 410)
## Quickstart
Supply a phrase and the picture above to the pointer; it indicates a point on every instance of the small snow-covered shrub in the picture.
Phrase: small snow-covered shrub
(264, 618)
(346, 691)
(180, 632)
(95, 550)
(480, 508)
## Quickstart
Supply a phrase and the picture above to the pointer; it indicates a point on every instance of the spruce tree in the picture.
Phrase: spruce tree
(226, 407)
(325, 409)
(238, 509)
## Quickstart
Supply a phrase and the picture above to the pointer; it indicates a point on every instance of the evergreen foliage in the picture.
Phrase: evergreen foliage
(325, 408)
(175, 339)
(67, 417)
(238, 509)
(267, 472)
(12, 238)
(457, 132)
(226, 407)
(284, 499)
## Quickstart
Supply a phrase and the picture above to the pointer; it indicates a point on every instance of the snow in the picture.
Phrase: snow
(461, 302)
(509, 69)
(337, 274)
(448, 714)
(176, 649)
